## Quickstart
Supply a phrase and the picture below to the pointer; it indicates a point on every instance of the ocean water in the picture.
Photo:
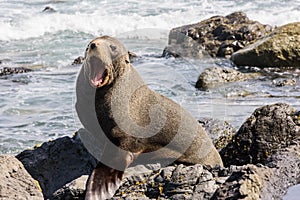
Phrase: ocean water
(39, 106)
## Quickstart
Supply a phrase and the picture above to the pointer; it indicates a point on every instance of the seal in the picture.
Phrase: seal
(127, 122)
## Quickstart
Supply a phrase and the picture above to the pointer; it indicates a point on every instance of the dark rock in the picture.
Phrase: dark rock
(73, 190)
(220, 132)
(49, 9)
(57, 162)
(15, 182)
(282, 170)
(172, 182)
(16, 70)
(219, 36)
(78, 61)
(268, 129)
(250, 181)
(215, 76)
(278, 49)
(284, 82)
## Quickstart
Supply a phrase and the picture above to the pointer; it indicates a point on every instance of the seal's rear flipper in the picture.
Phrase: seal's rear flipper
(103, 183)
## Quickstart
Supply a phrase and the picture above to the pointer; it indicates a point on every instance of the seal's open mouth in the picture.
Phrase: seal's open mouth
(98, 73)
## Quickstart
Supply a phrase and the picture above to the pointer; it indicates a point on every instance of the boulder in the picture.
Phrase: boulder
(278, 49)
(15, 182)
(62, 166)
(199, 182)
(78, 61)
(57, 162)
(217, 36)
(13, 70)
(267, 130)
(282, 170)
(216, 76)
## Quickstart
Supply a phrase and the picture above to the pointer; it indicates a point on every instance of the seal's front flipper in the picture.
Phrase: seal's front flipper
(103, 183)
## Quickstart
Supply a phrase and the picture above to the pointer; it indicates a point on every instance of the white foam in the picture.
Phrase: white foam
(116, 17)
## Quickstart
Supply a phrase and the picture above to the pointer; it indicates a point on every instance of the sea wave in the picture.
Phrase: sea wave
(117, 17)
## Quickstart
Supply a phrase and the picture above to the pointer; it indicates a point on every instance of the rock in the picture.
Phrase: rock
(16, 70)
(78, 61)
(220, 132)
(218, 36)
(267, 130)
(172, 182)
(236, 182)
(73, 190)
(278, 49)
(15, 182)
(263, 182)
(49, 9)
(57, 162)
(215, 76)
(284, 82)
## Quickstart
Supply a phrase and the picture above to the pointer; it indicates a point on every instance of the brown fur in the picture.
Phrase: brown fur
(124, 106)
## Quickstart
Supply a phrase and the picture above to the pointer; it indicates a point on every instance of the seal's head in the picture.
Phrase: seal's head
(102, 60)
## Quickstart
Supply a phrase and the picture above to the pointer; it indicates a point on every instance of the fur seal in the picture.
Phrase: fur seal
(126, 121)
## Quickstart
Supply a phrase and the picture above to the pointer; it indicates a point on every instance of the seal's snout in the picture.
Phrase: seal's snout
(93, 46)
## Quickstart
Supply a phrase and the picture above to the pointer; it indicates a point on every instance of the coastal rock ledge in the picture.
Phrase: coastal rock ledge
(62, 166)
(281, 48)
(218, 36)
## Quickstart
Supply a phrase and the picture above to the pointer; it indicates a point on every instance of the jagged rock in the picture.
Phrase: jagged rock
(250, 181)
(73, 190)
(15, 182)
(13, 70)
(278, 49)
(268, 129)
(220, 132)
(284, 82)
(272, 181)
(49, 9)
(215, 76)
(78, 61)
(57, 162)
(172, 182)
(218, 36)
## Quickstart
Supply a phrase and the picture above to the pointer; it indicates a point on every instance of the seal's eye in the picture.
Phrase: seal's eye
(112, 47)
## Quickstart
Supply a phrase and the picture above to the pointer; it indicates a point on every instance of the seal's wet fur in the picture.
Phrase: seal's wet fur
(116, 106)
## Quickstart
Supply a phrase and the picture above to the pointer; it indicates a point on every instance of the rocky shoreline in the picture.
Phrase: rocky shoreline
(60, 168)
(261, 158)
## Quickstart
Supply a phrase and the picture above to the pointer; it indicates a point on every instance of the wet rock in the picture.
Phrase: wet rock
(49, 9)
(267, 130)
(215, 76)
(78, 61)
(220, 132)
(284, 82)
(197, 182)
(15, 182)
(13, 70)
(172, 182)
(73, 190)
(278, 49)
(263, 182)
(219, 36)
(57, 162)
